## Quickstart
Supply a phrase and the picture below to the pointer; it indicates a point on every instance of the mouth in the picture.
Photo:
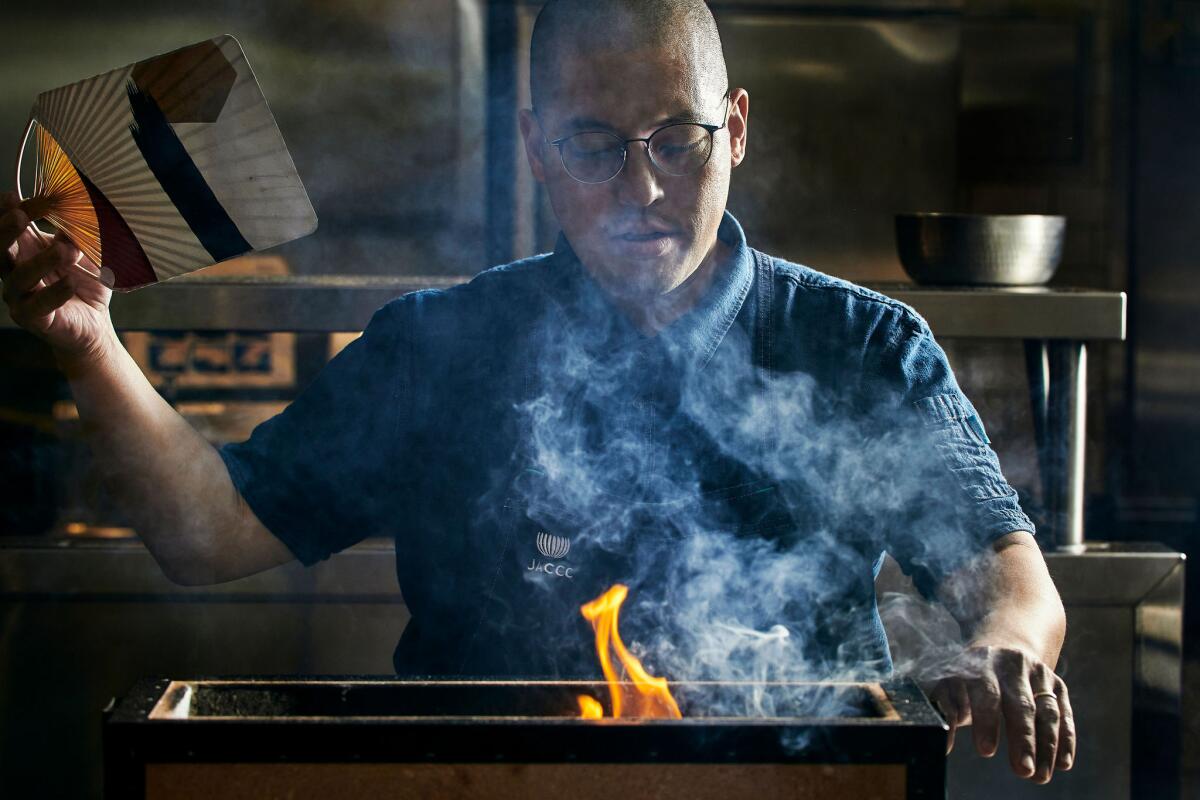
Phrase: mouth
(644, 236)
(650, 243)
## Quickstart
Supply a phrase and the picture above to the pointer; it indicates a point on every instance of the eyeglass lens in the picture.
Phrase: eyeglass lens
(595, 157)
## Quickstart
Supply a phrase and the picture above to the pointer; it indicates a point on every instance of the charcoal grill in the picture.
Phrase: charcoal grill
(359, 738)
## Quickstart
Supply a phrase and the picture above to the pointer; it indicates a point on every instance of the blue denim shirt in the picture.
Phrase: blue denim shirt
(743, 471)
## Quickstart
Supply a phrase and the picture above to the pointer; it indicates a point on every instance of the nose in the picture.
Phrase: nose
(637, 183)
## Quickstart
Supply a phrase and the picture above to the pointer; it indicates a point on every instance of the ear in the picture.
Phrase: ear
(739, 123)
(535, 143)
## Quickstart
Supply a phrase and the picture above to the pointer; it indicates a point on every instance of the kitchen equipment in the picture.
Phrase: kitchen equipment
(376, 737)
(980, 249)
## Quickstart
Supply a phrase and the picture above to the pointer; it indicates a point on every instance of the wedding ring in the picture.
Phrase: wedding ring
(1036, 695)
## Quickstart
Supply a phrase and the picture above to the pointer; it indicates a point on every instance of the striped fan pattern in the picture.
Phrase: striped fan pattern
(179, 159)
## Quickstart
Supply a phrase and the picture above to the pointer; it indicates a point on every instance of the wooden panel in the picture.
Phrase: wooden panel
(525, 781)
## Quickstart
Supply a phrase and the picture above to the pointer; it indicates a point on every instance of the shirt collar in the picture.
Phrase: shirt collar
(694, 337)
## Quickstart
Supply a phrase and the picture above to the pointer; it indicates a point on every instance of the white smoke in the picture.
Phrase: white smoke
(711, 603)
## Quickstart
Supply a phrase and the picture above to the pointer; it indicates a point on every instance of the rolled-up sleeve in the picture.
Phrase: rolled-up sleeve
(323, 474)
(961, 500)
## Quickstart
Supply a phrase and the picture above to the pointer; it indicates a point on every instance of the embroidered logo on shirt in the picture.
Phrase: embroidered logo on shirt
(553, 546)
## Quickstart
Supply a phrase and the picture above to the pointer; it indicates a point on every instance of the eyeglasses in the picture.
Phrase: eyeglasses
(678, 149)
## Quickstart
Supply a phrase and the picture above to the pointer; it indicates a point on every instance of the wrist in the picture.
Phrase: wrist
(78, 363)
(1036, 632)
(1009, 641)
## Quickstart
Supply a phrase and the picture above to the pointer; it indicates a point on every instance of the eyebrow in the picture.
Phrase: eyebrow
(578, 124)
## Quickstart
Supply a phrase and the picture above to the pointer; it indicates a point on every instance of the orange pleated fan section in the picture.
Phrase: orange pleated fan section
(60, 197)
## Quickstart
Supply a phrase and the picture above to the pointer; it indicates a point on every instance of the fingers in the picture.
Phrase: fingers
(29, 293)
(1066, 730)
(12, 222)
(995, 685)
(48, 300)
(1047, 721)
(1019, 711)
(944, 702)
(26, 275)
(984, 695)
(963, 701)
(950, 697)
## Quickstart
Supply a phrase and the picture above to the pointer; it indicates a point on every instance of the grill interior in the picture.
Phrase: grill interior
(484, 699)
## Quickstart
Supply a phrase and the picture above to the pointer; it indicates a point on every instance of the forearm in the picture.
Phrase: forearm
(1009, 600)
(166, 477)
(1033, 623)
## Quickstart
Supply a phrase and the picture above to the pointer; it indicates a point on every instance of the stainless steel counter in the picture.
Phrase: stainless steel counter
(345, 303)
(85, 569)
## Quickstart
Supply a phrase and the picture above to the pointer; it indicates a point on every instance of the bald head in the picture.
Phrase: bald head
(681, 28)
(632, 69)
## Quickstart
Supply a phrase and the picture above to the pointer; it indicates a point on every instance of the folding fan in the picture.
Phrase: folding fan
(165, 166)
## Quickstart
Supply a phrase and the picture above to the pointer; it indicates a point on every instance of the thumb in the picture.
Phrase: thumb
(73, 253)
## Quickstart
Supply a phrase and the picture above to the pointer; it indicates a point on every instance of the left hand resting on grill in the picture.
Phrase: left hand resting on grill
(1004, 678)
(986, 685)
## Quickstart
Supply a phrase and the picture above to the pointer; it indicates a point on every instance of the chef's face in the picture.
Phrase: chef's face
(643, 233)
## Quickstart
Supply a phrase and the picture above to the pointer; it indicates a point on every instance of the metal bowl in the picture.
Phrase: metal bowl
(980, 249)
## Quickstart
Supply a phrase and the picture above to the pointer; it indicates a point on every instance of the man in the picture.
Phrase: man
(736, 437)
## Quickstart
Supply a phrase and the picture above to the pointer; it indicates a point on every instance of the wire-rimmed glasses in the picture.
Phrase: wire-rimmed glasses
(678, 149)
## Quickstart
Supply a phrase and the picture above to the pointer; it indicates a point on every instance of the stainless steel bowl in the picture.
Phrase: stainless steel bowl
(980, 249)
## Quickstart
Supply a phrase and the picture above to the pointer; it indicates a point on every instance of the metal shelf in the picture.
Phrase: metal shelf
(1036, 312)
(345, 303)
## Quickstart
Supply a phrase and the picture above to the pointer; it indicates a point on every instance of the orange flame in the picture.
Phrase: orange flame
(649, 696)
(590, 708)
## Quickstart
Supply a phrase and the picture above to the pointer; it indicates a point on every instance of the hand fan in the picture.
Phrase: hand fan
(164, 166)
